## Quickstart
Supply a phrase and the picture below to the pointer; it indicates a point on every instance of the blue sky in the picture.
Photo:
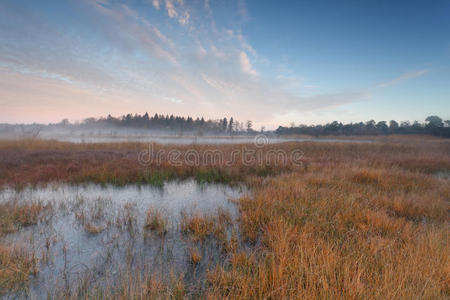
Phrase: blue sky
(274, 62)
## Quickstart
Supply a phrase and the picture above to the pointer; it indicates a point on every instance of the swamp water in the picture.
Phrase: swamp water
(89, 235)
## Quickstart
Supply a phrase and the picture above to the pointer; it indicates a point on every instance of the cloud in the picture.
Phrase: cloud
(182, 15)
(155, 4)
(246, 66)
(246, 45)
(331, 100)
(116, 60)
(171, 9)
(52, 99)
(242, 9)
(184, 18)
(125, 24)
(403, 77)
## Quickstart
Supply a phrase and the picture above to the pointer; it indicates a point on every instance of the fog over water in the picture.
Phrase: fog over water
(84, 134)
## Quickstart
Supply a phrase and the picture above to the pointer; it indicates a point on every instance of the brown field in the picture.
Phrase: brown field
(352, 221)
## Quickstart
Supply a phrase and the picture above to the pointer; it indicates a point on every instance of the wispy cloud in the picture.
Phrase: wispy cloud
(128, 62)
(246, 66)
(242, 9)
(171, 9)
(155, 4)
(404, 77)
(174, 9)
(130, 27)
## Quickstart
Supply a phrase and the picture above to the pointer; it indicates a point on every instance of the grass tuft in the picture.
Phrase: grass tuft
(16, 266)
(155, 222)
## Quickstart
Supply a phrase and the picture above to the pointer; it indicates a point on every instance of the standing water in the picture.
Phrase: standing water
(89, 235)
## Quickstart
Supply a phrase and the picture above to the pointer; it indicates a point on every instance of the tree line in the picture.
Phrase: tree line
(433, 125)
(161, 122)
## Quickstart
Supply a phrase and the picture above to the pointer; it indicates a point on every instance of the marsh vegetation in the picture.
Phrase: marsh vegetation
(68, 239)
(354, 220)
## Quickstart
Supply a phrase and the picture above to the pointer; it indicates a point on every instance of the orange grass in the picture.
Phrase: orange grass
(342, 233)
(195, 255)
(16, 265)
(13, 215)
(32, 162)
(155, 222)
(199, 227)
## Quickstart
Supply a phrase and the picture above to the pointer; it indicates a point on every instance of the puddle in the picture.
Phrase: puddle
(70, 255)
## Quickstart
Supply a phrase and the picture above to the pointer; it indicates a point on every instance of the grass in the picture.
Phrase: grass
(43, 161)
(342, 233)
(197, 226)
(156, 222)
(34, 162)
(135, 283)
(16, 266)
(354, 221)
(195, 255)
(92, 217)
(15, 215)
(93, 229)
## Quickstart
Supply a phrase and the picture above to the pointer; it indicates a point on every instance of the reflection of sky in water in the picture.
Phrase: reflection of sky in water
(102, 256)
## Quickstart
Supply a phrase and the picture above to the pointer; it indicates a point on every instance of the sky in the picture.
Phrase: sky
(272, 62)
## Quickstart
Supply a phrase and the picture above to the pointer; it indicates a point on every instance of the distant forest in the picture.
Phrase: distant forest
(172, 123)
(433, 125)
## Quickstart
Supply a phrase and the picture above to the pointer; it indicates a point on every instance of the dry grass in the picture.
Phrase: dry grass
(342, 233)
(16, 265)
(91, 217)
(197, 226)
(195, 255)
(93, 229)
(201, 226)
(358, 221)
(117, 163)
(155, 222)
(32, 162)
(134, 283)
(15, 215)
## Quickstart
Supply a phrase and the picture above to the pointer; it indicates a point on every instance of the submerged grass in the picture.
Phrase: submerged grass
(156, 222)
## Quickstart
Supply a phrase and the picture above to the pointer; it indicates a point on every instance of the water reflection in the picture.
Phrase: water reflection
(93, 233)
